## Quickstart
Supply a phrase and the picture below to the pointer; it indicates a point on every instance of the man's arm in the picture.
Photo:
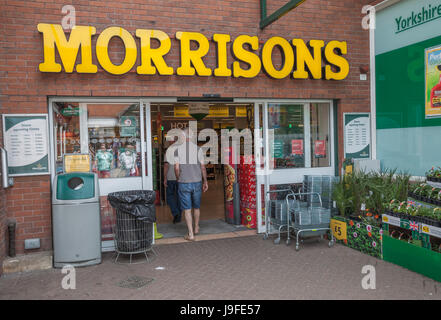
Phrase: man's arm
(204, 177)
(177, 171)
(166, 167)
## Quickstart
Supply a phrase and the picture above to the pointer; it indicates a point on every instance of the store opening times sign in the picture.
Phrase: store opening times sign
(313, 59)
(357, 135)
(26, 141)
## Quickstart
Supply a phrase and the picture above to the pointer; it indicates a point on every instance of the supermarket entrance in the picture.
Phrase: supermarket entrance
(220, 212)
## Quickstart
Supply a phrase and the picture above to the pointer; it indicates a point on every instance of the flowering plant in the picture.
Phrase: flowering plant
(434, 172)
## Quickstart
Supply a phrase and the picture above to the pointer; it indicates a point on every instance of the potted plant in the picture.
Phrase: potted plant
(434, 174)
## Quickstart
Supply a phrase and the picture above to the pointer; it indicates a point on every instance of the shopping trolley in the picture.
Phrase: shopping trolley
(276, 214)
(309, 216)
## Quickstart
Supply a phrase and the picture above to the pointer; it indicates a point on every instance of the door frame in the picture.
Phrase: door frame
(278, 176)
(146, 180)
(286, 176)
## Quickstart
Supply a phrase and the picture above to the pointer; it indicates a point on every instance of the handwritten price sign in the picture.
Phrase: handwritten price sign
(339, 229)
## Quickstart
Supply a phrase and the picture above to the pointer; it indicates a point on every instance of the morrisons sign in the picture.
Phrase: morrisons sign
(300, 60)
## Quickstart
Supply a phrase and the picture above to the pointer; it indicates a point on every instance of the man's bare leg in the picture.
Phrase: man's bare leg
(197, 214)
(189, 222)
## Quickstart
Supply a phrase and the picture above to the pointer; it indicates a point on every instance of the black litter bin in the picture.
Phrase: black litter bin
(135, 215)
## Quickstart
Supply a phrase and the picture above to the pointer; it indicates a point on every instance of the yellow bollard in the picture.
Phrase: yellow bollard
(157, 234)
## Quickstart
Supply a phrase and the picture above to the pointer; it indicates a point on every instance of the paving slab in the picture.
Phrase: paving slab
(235, 268)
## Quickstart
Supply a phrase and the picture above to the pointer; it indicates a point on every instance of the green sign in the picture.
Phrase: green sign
(278, 149)
(70, 112)
(357, 136)
(26, 141)
(415, 18)
(128, 126)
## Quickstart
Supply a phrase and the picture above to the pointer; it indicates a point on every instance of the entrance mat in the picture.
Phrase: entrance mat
(135, 282)
(170, 230)
(412, 257)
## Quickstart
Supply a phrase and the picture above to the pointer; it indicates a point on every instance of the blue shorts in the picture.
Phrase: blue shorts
(190, 195)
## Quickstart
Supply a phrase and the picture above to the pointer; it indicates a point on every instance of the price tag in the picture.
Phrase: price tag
(426, 229)
(339, 229)
(431, 230)
(391, 220)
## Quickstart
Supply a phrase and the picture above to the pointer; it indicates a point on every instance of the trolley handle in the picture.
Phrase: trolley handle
(306, 193)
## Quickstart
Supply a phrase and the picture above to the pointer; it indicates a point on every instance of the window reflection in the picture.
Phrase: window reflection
(114, 140)
(319, 124)
(110, 133)
(289, 137)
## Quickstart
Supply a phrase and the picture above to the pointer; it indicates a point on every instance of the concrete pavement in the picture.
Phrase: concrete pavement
(236, 268)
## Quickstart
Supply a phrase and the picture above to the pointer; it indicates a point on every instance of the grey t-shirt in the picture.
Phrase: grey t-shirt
(190, 157)
(171, 176)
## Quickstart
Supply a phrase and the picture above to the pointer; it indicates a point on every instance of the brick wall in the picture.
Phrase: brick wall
(25, 89)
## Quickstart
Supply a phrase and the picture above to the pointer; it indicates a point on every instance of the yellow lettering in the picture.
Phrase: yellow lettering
(305, 59)
(222, 69)
(102, 53)
(53, 36)
(246, 56)
(155, 56)
(287, 57)
(193, 57)
(336, 60)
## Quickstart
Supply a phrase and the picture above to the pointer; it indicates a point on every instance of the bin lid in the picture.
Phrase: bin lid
(75, 186)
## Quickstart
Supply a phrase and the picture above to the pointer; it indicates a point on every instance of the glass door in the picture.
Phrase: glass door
(292, 139)
(112, 133)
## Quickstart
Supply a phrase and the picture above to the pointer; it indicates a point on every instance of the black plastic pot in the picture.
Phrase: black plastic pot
(356, 218)
(391, 213)
(416, 219)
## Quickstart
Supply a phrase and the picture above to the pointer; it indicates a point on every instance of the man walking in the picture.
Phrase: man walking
(192, 181)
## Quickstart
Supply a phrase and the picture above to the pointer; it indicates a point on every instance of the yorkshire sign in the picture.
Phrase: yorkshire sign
(300, 60)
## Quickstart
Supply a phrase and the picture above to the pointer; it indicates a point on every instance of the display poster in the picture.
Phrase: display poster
(357, 136)
(297, 147)
(76, 163)
(278, 149)
(26, 141)
(241, 112)
(181, 112)
(128, 126)
(320, 148)
(219, 111)
(433, 82)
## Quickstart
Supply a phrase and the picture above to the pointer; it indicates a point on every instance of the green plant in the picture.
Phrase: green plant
(434, 172)
(342, 196)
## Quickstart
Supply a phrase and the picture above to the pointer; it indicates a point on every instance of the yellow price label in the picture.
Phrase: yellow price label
(426, 229)
(385, 219)
(76, 163)
(339, 229)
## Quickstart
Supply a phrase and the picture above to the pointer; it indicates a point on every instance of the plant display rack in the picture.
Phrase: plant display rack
(361, 236)
(413, 253)
(427, 200)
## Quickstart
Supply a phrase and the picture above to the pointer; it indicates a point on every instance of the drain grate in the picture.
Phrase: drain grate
(135, 282)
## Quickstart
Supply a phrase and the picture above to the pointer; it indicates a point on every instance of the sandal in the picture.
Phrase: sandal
(195, 233)
(187, 237)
